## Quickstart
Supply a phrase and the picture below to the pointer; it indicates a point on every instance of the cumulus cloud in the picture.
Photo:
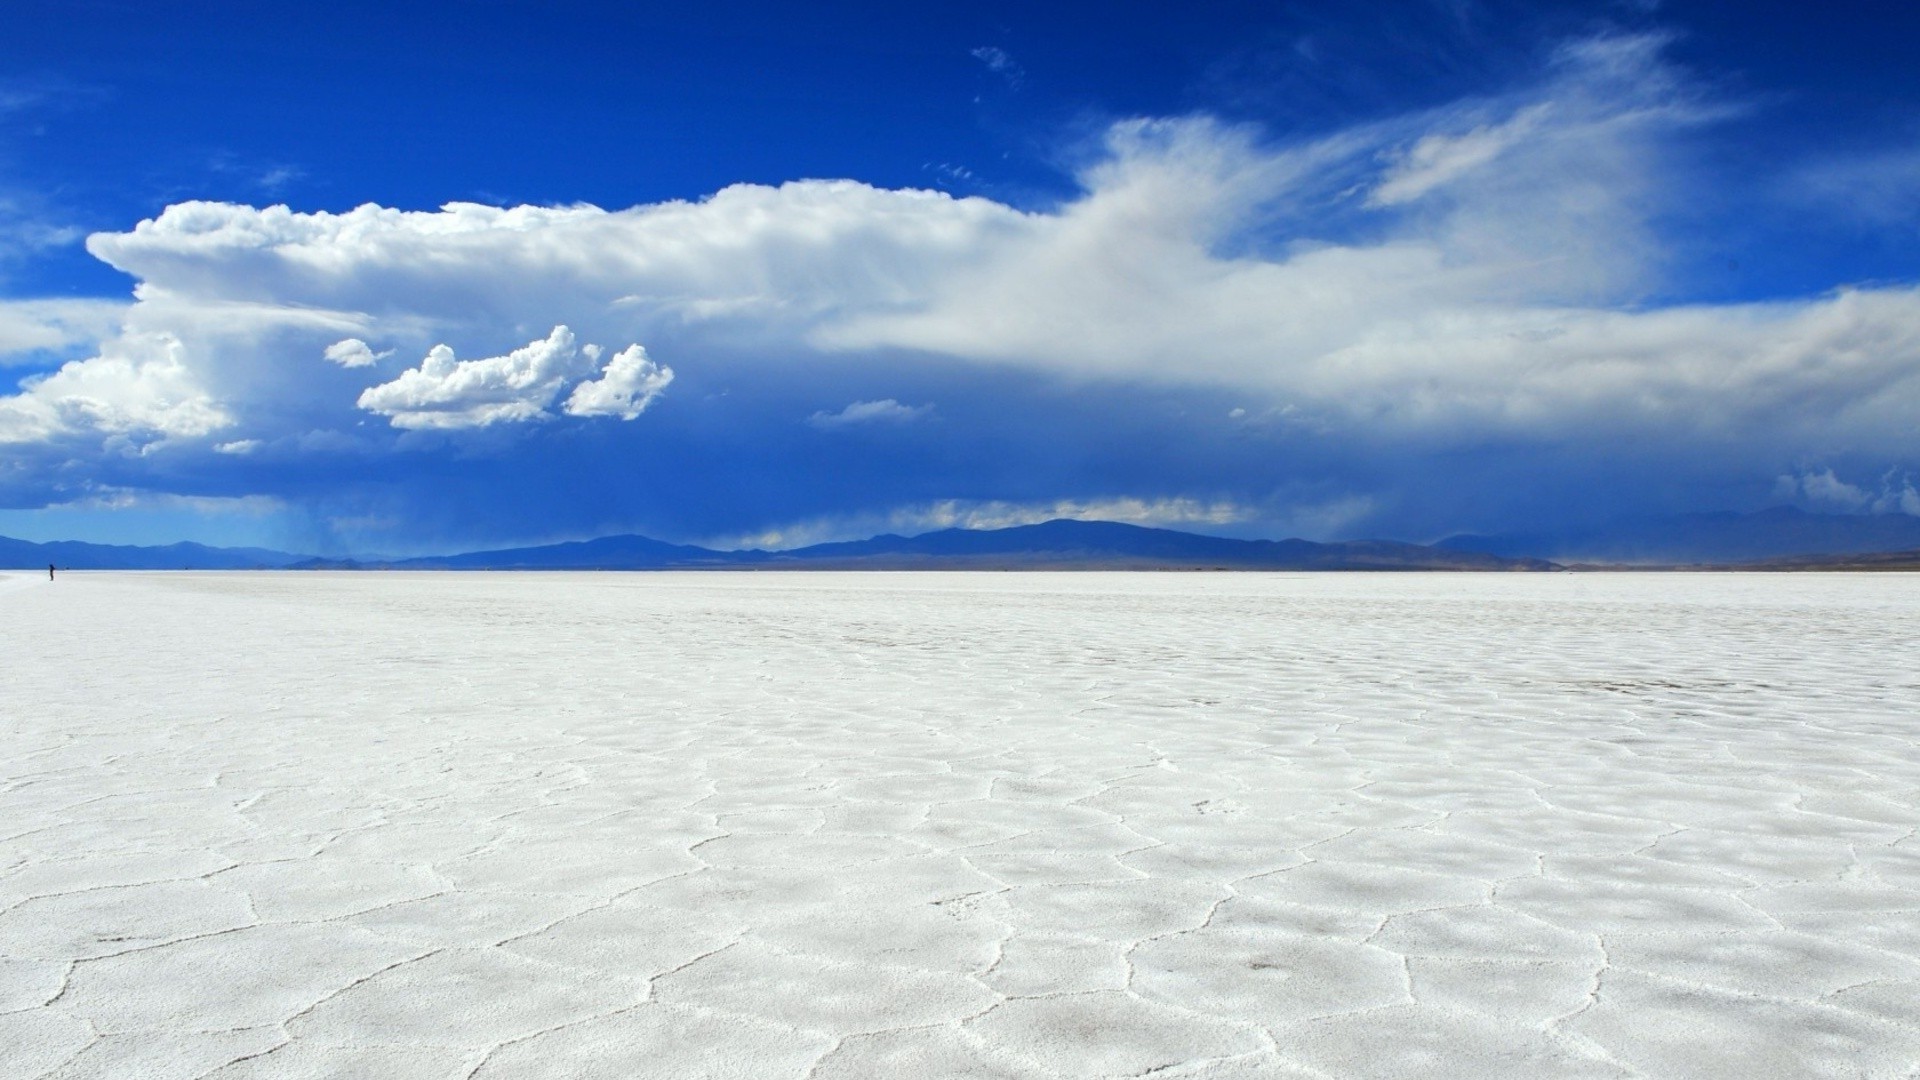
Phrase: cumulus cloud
(448, 393)
(886, 411)
(246, 291)
(774, 256)
(354, 353)
(141, 393)
(1823, 489)
(627, 386)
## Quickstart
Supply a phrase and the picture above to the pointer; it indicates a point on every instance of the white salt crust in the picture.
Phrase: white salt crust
(926, 825)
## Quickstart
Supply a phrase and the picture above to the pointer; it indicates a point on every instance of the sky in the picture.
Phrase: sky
(351, 279)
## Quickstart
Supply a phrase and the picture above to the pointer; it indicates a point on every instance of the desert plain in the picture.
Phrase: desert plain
(817, 825)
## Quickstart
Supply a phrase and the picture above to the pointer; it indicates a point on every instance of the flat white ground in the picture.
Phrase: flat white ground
(999, 825)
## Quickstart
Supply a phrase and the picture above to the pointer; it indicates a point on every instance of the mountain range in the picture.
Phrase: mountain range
(1781, 538)
(1779, 533)
(79, 555)
(1051, 545)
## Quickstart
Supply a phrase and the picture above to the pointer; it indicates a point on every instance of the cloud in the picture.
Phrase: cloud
(1437, 159)
(1875, 189)
(30, 329)
(28, 226)
(46, 93)
(1825, 487)
(1001, 63)
(109, 514)
(775, 256)
(244, 292)
(140, 392)
(268, 177)
(280, 176)
(21, 236)
(1382, 301)
(354, 353)
(446, 393)
(628, 385)
(887, 411)
(1824, 490)
(938, 514)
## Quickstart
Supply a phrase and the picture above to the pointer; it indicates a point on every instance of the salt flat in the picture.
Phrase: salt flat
(996, 825)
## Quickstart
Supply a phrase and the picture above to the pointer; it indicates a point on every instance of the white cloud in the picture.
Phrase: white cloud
(628, 385)
(1877, 189)
(995, 514)
(249, 292)
(238, 446)
(27, 226)
(996, 58)
(113, 497)
(772, 256)
(1001, 63)
(1436, 159)
(30, 328)
(280, 176)
(1825, 487)
(446, 393)
(1494, 287)
(354, 353)
(1825, 490)
(140, 392)
(20, 236)
(113, 514)
(887, 411)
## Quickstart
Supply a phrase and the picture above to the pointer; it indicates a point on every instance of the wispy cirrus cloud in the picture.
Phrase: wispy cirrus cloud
(33, 330)
(1877, 189)
(1436, 159)
(1001, 63)
(883, 412)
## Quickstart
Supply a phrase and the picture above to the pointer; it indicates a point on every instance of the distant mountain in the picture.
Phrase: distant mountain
(1875, 560)
(78, 555)
(1782, 538)
(1052, 545)
(1111, 545)
(606, 553)
(1719, 538)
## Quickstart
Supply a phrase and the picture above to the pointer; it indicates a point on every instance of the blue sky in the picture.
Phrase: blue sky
(352, 279)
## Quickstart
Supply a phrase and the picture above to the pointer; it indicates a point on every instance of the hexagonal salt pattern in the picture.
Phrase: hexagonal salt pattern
(1001, 826)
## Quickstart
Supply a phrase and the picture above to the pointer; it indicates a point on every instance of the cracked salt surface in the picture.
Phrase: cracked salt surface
(1013, 826)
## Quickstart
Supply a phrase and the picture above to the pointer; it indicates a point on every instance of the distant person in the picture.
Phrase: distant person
(49, 571)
